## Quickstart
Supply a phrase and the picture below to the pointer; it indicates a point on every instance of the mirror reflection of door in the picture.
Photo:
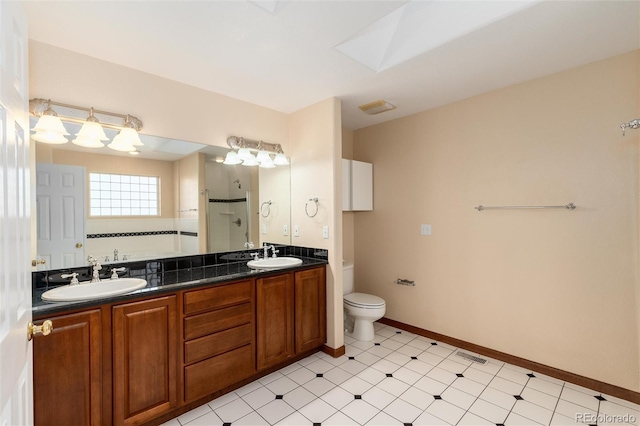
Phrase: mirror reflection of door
(60, 204)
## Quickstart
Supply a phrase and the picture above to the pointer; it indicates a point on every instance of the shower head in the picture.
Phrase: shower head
(237, 181)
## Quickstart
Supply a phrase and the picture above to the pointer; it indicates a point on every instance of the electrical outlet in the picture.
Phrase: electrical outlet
(296, 231)
(425, 229)
(325, 232)
(285, 230)
(264, 229)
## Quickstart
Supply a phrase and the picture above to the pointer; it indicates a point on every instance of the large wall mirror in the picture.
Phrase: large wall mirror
(173, 198)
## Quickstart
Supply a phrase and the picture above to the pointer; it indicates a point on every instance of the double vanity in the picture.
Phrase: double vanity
(202, 326)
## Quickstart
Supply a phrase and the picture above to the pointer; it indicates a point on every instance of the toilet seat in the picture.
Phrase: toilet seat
(365, 301)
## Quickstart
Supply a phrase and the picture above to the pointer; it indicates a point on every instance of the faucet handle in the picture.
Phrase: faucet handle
(73, 276)
(114, 272)
(255, 255)
(275, 252)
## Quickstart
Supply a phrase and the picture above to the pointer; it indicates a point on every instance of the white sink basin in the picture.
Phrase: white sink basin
(87, 290)
(274, 263)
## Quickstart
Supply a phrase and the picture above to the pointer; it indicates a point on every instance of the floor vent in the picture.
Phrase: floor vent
(471, 357)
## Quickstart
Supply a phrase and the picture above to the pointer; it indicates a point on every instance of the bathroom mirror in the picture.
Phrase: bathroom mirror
(203, 206)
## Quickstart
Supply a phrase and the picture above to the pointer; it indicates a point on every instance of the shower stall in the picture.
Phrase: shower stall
(229, 193)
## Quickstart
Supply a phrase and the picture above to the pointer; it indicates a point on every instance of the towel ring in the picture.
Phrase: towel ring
(268, 203)
(306, 205)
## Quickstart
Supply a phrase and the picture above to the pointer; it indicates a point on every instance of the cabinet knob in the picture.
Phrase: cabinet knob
(79, 245)
(38, 262)
(44, 329)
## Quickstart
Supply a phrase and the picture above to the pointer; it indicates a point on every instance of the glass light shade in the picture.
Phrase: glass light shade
(251, 161)
(87, 143)
(49, 137)
(92, 130)
(128, 135)
(245, 154)
(280, 160)
(121, 146)
(263, 156)
(267, 164)
(50, 123)
(232, 158)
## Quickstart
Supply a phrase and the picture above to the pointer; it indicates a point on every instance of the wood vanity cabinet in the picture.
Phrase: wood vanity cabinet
(310, 309)
(145, 359)
(219, 338)
(129, 363)
(291, 315)
(67, 371)
(275, 314)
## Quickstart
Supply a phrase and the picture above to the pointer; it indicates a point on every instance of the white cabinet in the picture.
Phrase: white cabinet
(357, 185)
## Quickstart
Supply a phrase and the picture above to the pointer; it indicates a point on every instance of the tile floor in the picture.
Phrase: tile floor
(404, 379)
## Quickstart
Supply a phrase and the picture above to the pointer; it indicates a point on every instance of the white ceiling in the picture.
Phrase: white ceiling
(285, 55)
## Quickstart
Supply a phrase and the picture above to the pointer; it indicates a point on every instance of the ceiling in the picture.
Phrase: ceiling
(286, 55)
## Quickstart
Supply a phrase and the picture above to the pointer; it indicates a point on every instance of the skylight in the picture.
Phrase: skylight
(419, 26)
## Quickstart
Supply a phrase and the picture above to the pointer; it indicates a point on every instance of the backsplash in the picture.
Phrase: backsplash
(171, 270)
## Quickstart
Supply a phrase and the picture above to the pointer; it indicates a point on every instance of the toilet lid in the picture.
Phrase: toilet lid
(362, 299)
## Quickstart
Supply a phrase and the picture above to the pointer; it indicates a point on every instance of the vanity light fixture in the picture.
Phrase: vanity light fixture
(91, 134)
(50, 128)
(263, 158)
(232, 158)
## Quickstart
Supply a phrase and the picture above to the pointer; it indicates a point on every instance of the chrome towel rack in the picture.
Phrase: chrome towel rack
(569, 206)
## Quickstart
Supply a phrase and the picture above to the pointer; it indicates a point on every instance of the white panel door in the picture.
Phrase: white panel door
(16, 388)
(60, 211)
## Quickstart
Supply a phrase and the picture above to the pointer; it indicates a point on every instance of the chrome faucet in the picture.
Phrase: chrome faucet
(115, 255)
(266, 248)
(95, 276)
(73, 276)
(114, 272)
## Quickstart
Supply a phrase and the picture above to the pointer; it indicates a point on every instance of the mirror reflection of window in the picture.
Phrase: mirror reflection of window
(123, 195)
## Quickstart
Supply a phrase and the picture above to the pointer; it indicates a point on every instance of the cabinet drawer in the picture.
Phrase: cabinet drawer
(217, 297)
(221, 319)
(215, 344)
(217, 373)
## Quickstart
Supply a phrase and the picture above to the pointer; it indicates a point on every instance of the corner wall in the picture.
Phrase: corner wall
(316, 171)
(557, 287)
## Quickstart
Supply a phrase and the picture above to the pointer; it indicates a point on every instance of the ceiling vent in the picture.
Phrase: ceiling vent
(376, 107)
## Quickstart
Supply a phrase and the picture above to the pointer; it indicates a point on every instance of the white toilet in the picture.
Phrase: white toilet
(360, 309)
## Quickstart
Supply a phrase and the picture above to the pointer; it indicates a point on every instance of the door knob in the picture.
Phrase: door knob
(44, 329)
(79, 245)
(38, 262)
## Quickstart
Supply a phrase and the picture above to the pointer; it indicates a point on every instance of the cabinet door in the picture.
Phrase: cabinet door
(361, 186)
(144, 360)
(310, 309)
(274, 301)
(67, 371)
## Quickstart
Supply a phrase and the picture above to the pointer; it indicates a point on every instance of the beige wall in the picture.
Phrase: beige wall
(166, 108)
(316, 148)
(557, 287)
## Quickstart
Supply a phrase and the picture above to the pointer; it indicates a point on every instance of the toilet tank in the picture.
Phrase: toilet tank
(347, 277)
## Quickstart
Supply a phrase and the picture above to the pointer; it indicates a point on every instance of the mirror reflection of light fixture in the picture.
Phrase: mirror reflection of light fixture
(264, 151)
(50, 129)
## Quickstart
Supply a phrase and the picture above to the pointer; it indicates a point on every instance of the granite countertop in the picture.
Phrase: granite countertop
(159, 283)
